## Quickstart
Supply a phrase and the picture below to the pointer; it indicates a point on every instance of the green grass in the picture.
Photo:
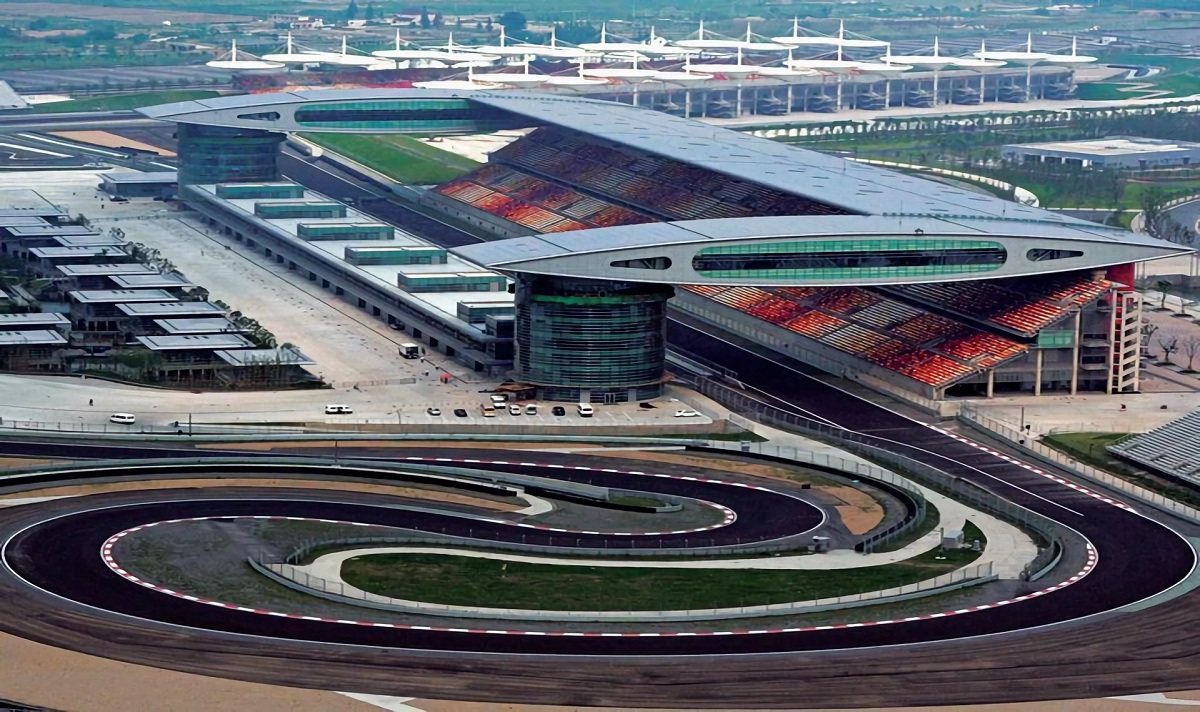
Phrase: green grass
(1106, 91)
(1089, 448)
(402, 158)
(467, 581)
(124, 101)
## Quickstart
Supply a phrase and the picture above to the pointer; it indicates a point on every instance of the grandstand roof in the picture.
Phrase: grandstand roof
(850, 186)
(594, 253)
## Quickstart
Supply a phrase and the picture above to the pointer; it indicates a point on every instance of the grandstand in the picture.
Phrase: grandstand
(620, 216)
(1172, 449)
(934, 339)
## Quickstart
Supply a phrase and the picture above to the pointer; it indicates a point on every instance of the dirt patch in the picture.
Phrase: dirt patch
(59, 679)
(132, 15)
(27, 462)
(860, 513)
(413, 492)
(109, 140)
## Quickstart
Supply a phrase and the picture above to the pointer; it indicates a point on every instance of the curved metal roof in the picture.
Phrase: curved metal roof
(591, 253)
(852, 187)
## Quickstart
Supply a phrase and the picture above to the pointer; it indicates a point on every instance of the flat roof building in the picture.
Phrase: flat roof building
(1121, 152)
(32, 320)
(128, 184)
(164, 308)
(202, 325)
(105, 270)
(181, 342)
(150, 281)
(264, 357)
(33, 337)
(120, 296)
(83, 251)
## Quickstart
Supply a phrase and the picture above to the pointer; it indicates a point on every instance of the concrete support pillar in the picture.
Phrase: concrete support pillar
(1037, 373)
(1075, 352)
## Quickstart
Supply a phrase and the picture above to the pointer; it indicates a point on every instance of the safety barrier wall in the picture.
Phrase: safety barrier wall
(341, 592)
(873, 449)
(1029, 443)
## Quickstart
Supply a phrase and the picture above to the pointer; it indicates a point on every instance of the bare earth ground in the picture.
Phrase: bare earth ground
(24, 462)
(413, 492)
(135, 15)
(104, 138)
(38, 674)
(859, 512)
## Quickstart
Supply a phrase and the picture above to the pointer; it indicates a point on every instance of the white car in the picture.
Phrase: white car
(338, 410)
(433, 411)
(514, 410)
(687, 413)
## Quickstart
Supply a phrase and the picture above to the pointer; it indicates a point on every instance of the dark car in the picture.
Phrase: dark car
(461, 413)
(558, 410)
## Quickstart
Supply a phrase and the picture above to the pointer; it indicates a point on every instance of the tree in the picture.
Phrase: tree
(351, 11)
(1191, 347)
(1163, 287)
(1147, 332)
(512, 21)
(1169, 345)
(426, 23)
(370, 14)
(438, 21)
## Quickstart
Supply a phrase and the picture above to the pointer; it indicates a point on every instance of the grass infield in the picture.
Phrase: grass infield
(469, 581)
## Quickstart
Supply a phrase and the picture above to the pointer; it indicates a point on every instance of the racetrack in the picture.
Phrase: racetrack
(1137, 557)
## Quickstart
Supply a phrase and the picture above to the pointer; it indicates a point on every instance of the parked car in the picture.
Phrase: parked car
(123, 418)
(558, 410)
(433, 411)
(499, 399)
(514, 409)
(531, 409)
(585, 410)
(338, 410)
(460, 412)
(687, 413)
(489, 410)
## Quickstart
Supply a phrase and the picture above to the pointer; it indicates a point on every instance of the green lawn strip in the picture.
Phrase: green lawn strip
(1089, 448)
(468, 581)
(401, 158)
(124, 101)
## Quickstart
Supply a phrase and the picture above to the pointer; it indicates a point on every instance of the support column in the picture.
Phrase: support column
(1037, 373)
(1075, 353)
(991, 383)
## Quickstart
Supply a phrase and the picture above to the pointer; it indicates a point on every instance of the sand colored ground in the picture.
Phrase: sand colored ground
(859, 512)
(40, 675)
(26, 462)
(413, 492)
(104, 138)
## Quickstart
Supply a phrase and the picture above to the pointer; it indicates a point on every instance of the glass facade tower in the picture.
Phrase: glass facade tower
(214, 154)
(589, 340)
